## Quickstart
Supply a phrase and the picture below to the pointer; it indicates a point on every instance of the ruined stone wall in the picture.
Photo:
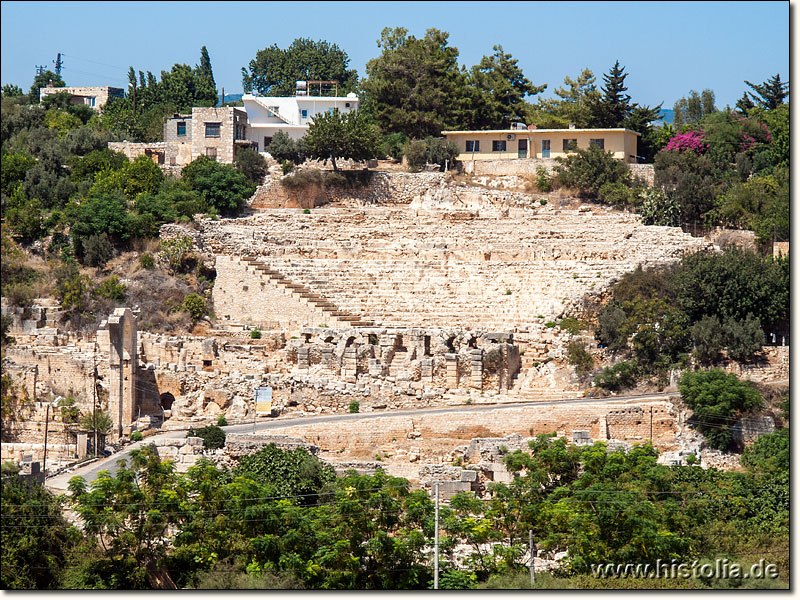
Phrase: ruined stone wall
(453, 428)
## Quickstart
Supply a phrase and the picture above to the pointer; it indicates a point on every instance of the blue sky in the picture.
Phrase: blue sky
(668, 48)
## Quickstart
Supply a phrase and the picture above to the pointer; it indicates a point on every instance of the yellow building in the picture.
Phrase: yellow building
(541, 143)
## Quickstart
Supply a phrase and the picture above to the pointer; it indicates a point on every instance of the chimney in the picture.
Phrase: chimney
(572, 125)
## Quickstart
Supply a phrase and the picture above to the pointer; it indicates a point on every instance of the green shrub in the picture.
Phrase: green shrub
(616, 194)
(195, 306)
(572, 325)
(354, 406)
(137, 436)
(147, 261)
(542, 201)
(717, 399)
(251, 164)
(393, 144)
(286, 167)
(111, 288)
(283, 148)
(743, 338)
(97, 250)
(578, 357)
(173, 251)
(213, 436)
(255, 333)
(550, 324)
(619, 377)
(708, 338)
(543, 182)
(222, 421)
(588, 170)
(306, 211)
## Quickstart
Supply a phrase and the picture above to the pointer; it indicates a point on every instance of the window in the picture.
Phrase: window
(304, 113)
(181, 128)
(570, 145)
(499, 146)
(240, 131)
(598, 142)
(473, 146)
(212, 129)
(90, 100)
(211, 153)
(330, 111)
(267, 141)
(273, 109)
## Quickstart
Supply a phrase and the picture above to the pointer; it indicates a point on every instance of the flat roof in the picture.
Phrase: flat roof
(505, 131)
(343, 98)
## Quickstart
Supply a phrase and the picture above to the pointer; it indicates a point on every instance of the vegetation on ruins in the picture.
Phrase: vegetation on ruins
(704, 304)
(281, 517)
(213, 436)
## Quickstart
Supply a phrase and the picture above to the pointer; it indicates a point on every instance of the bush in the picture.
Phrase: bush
(213, 436)
(578, 357)
(687, 179)
(222, 421)
(195, 306)
(743, 338)
(657, 208)
(618, 195)
(97, 250)
(431, 150)
(251, 164)
(137, 436)
(416, 154)
(289, 472)
(173, 250)
(717, 399)
(708, 339)
(611, 329)
(283, 148)
(588, 170)
(221, 186)
(619, 377)
(287, 167)
(255, 333)
(147, 261)
(393, 144)
(543, 182)
(572, 325)
(111, 288)
(354, 406)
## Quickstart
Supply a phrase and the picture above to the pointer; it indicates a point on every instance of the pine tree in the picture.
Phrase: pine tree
(744, 104)
(615, 105)
(769, 94)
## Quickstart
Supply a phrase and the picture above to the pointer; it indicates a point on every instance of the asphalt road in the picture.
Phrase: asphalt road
(89, 472)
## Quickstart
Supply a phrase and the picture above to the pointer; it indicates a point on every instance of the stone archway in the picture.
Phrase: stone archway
(166, 401)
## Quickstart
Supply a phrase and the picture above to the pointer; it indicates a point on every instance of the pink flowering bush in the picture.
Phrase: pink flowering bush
(691, 140)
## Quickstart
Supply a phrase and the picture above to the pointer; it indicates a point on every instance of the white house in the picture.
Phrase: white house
(266, 115)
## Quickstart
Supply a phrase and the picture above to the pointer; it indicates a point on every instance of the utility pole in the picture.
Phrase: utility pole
(436, 541)
(59, 64)
(651, 423)
(94, 399)
(46, 425)
(530, 546)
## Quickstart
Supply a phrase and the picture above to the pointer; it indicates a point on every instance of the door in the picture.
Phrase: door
(545, 148)
(522, 149)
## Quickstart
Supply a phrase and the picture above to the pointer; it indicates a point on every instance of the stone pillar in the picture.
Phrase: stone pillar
(451, 371)
(426, 370)
(375, 367)
(349, 364)
(303, 357)
(82, 447)
(327, 357)
(476, 358)
(118, 337)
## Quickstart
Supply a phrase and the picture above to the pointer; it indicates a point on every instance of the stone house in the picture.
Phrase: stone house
(94, 96)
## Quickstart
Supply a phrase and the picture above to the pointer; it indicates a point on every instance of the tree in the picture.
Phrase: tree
(195, 306)
(431, 150)
(691, 111)
(717, 399)
(290, 472)
(687, 178)
(96, 421)
(221, 186)
(578, 98)
(336, 135)
(501, 87)
(204, 69)
(251, 164)
(213, 436)
(743, 338)
(615, 105)
(283, 148)
(769, 453)
(708, 338)
(588, 170)
(415, 86)
(11, 90)
(578, 357)
(41, 80)
(35, 537)
(769, 94)
(274, 71)
(103, 213)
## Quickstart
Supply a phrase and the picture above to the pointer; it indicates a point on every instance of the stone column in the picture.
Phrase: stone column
(451, 371)
(303, 357)
(327, 357)
(118, 337)
(426, 370)
(349, 364)
(476, 358)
